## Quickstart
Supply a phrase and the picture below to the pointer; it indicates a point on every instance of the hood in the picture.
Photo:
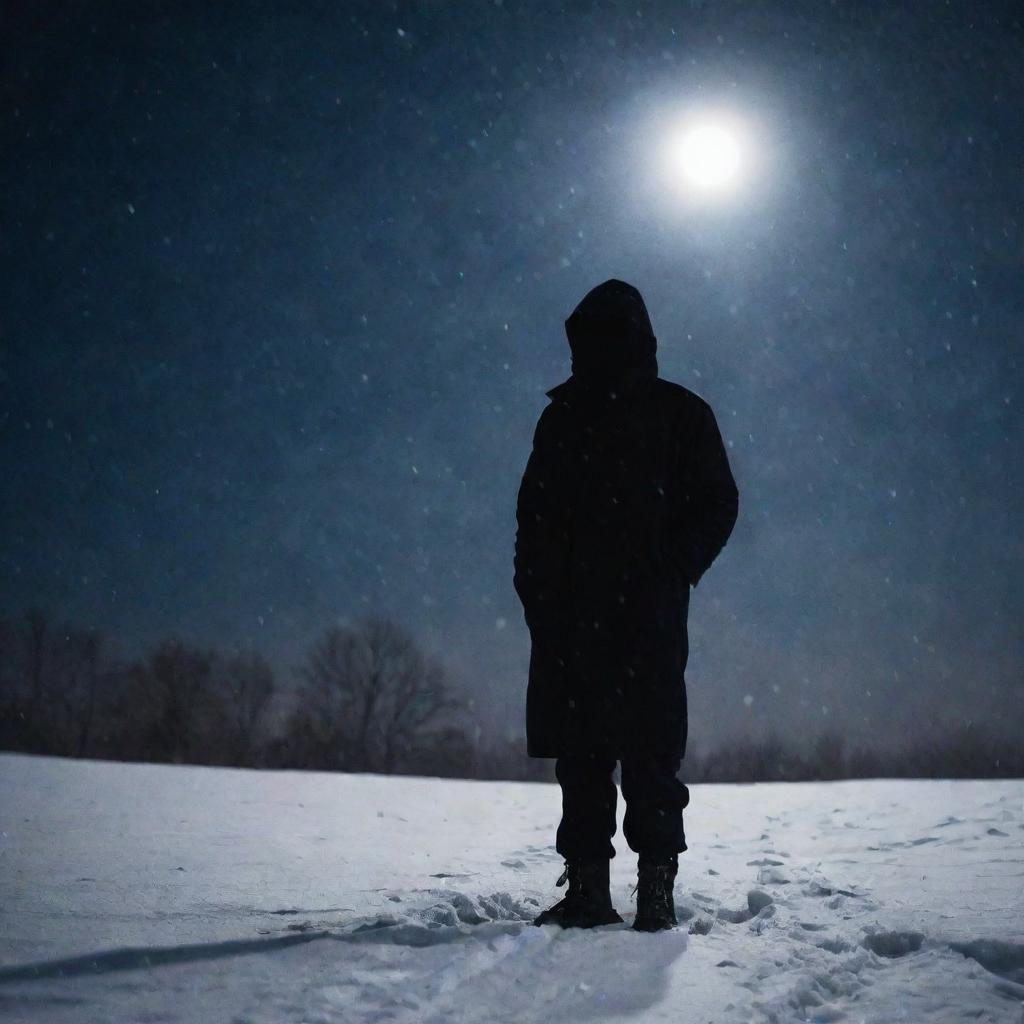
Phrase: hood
(611, 339)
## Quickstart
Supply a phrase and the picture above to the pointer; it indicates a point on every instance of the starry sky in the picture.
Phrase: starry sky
(284, 286)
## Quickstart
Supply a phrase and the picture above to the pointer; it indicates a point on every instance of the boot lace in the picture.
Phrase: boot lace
(655, 886)
(573, 896)
(574, 893)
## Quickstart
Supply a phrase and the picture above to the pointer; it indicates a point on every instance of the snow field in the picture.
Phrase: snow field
(143, 892)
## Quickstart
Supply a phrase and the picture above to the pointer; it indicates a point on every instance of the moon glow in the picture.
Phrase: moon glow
(708, 156)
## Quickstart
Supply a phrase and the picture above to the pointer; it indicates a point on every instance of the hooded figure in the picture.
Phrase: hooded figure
(626, 499)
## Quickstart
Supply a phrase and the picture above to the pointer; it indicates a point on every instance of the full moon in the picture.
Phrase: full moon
(708, 155)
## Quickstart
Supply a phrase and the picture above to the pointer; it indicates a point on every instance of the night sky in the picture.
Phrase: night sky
(282, 293)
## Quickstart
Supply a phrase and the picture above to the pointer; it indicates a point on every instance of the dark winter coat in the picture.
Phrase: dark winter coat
(626, 500)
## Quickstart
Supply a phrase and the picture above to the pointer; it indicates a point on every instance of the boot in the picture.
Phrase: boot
(655, 903)
(588, 903)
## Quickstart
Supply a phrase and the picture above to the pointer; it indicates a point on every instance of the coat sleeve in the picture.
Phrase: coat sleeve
(710, 498)
(541, 545)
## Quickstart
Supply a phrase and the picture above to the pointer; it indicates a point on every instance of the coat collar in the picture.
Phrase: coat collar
(635, 379)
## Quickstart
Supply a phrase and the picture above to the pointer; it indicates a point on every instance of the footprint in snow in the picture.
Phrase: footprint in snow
(1005, 959)
(818, 889)
(892, 945)
(759, 904)
(835, 945)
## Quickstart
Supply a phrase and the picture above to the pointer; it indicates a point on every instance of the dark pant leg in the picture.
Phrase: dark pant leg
(588, 807)
(655, 798)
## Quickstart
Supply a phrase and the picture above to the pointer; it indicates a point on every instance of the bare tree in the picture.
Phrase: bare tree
(829, 760)
(92, 651)
(35, 650)
(370, 697)
(173, 701)
(27, 721)
(65, 672)
(8, 660)
(12, 692)
(246, 686)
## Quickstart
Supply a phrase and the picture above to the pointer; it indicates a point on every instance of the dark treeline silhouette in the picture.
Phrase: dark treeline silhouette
(366, 698)
(964, 750)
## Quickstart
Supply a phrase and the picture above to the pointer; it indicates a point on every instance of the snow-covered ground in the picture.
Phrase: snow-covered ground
(149, 893)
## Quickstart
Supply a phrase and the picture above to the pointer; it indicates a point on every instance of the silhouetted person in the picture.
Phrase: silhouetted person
(626, 500)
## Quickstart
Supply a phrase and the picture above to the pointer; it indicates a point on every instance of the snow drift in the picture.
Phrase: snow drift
(134, 892)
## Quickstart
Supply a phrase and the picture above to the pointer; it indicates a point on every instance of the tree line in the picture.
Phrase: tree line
(961, 750)
(366, 698)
